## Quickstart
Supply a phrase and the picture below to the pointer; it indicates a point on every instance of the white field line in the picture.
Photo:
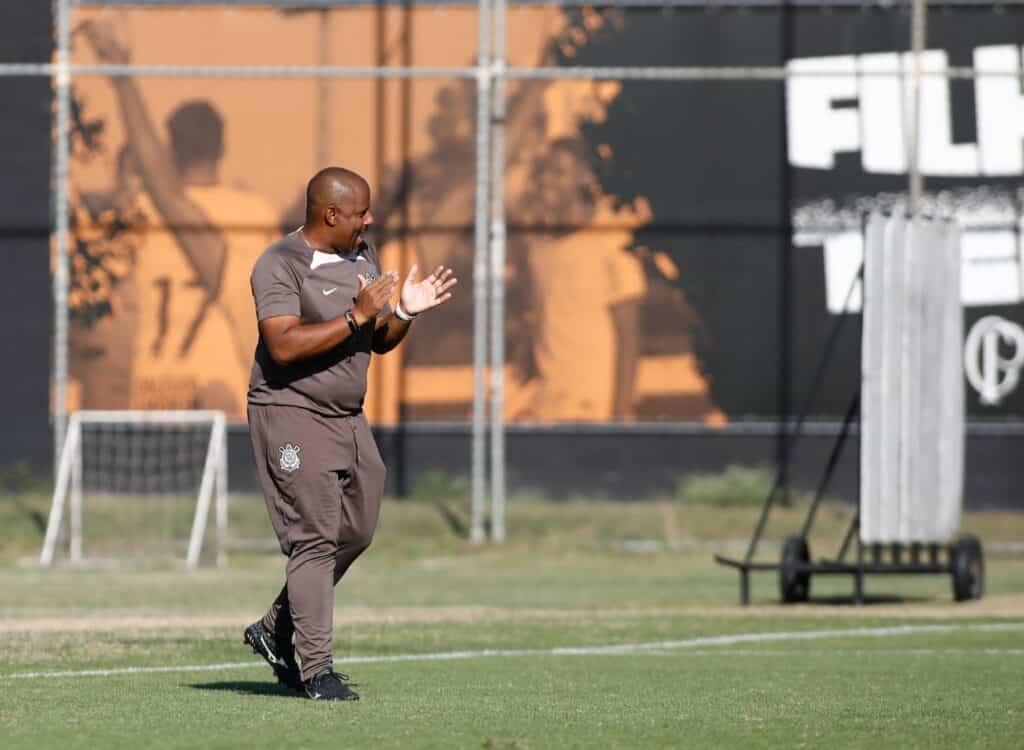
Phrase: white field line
(980, 651)
(610, 650)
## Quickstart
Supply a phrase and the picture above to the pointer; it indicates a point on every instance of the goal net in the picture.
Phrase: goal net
(140, 484)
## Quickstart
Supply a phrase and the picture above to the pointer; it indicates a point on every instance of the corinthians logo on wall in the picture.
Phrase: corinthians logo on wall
(993, 357)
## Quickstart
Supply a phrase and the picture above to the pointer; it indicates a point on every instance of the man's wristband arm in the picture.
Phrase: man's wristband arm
(402, 314)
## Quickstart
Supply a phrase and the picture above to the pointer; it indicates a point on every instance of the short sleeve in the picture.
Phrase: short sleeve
(275, 288)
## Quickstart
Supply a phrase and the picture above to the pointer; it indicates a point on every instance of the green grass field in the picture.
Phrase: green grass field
(596, 625)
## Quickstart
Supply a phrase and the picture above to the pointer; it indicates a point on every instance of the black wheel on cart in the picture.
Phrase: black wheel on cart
(794, 585)
(968, 564)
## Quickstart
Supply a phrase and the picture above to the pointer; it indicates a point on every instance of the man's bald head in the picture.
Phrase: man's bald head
(337, 209)
(333, 185)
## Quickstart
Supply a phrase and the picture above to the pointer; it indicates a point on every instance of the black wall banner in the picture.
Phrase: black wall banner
(26, 35)
(753, 181)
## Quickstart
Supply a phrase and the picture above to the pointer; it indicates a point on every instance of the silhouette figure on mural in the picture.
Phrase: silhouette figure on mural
(194, 338)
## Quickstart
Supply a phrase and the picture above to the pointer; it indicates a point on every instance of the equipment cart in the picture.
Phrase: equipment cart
(910, 415)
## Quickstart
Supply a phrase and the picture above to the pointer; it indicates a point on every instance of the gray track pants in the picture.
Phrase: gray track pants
(323, 480)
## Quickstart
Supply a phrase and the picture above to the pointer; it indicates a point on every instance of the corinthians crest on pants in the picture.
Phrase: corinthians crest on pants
(290, 457)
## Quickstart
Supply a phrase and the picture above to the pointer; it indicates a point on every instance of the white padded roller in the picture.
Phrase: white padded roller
(912, 402)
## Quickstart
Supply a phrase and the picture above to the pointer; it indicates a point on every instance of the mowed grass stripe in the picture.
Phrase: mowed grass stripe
(612, 649)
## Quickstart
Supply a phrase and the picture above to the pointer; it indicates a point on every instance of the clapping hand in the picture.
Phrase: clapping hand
(419, 295)
(373, 295)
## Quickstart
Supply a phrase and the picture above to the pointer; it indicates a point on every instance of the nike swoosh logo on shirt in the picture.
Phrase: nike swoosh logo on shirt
(328, 292)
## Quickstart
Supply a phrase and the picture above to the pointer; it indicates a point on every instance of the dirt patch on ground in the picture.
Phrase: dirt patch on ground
(1010, 605)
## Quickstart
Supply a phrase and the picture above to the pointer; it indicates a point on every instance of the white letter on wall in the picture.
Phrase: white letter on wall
(991, 274)
(883, 123)
(938, 154)
(817, 131)
(1000, 110)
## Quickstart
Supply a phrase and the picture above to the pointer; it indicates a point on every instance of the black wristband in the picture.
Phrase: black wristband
(351, 320)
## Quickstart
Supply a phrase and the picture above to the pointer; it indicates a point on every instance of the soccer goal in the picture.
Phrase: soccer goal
(139, 484)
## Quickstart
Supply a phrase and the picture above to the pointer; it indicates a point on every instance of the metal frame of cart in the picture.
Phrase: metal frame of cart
(962, 559)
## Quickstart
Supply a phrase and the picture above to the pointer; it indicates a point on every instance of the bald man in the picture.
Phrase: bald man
(323, 305)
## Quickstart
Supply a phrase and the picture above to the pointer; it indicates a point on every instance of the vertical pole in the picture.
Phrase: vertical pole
(480, 268)
(324, 106)
(785, 271)
(60, 492)
(858, 576)
(918, 23)
(498, 106)
(61, 276)
(221, 507)
(76, 501)
(207, 487)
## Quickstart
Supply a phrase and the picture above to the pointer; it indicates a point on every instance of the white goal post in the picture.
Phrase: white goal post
(211, 487)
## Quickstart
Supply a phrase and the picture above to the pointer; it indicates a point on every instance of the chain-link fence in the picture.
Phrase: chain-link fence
(657, 204)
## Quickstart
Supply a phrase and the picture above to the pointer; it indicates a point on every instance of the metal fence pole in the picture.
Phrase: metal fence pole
(324, 98)
(61, 275)
(567, 73)
(497, 123)
(918, 21)
(716, 5)
(480, 252)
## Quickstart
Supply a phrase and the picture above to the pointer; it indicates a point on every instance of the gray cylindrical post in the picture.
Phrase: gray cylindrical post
(568, 73)
(324, 101)
(61, 276)
(480, 267)
(498, 106)
(918, 22)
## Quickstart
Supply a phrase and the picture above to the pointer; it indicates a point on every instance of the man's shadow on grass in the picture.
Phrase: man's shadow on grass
(271, 689)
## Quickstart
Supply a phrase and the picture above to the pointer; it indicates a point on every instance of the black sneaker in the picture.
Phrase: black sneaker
(281, 658)
(328, 685)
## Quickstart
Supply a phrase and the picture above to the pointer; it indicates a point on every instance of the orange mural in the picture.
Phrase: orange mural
(178, 184)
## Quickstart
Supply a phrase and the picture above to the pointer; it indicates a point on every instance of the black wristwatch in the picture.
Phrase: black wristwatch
(351, 320)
